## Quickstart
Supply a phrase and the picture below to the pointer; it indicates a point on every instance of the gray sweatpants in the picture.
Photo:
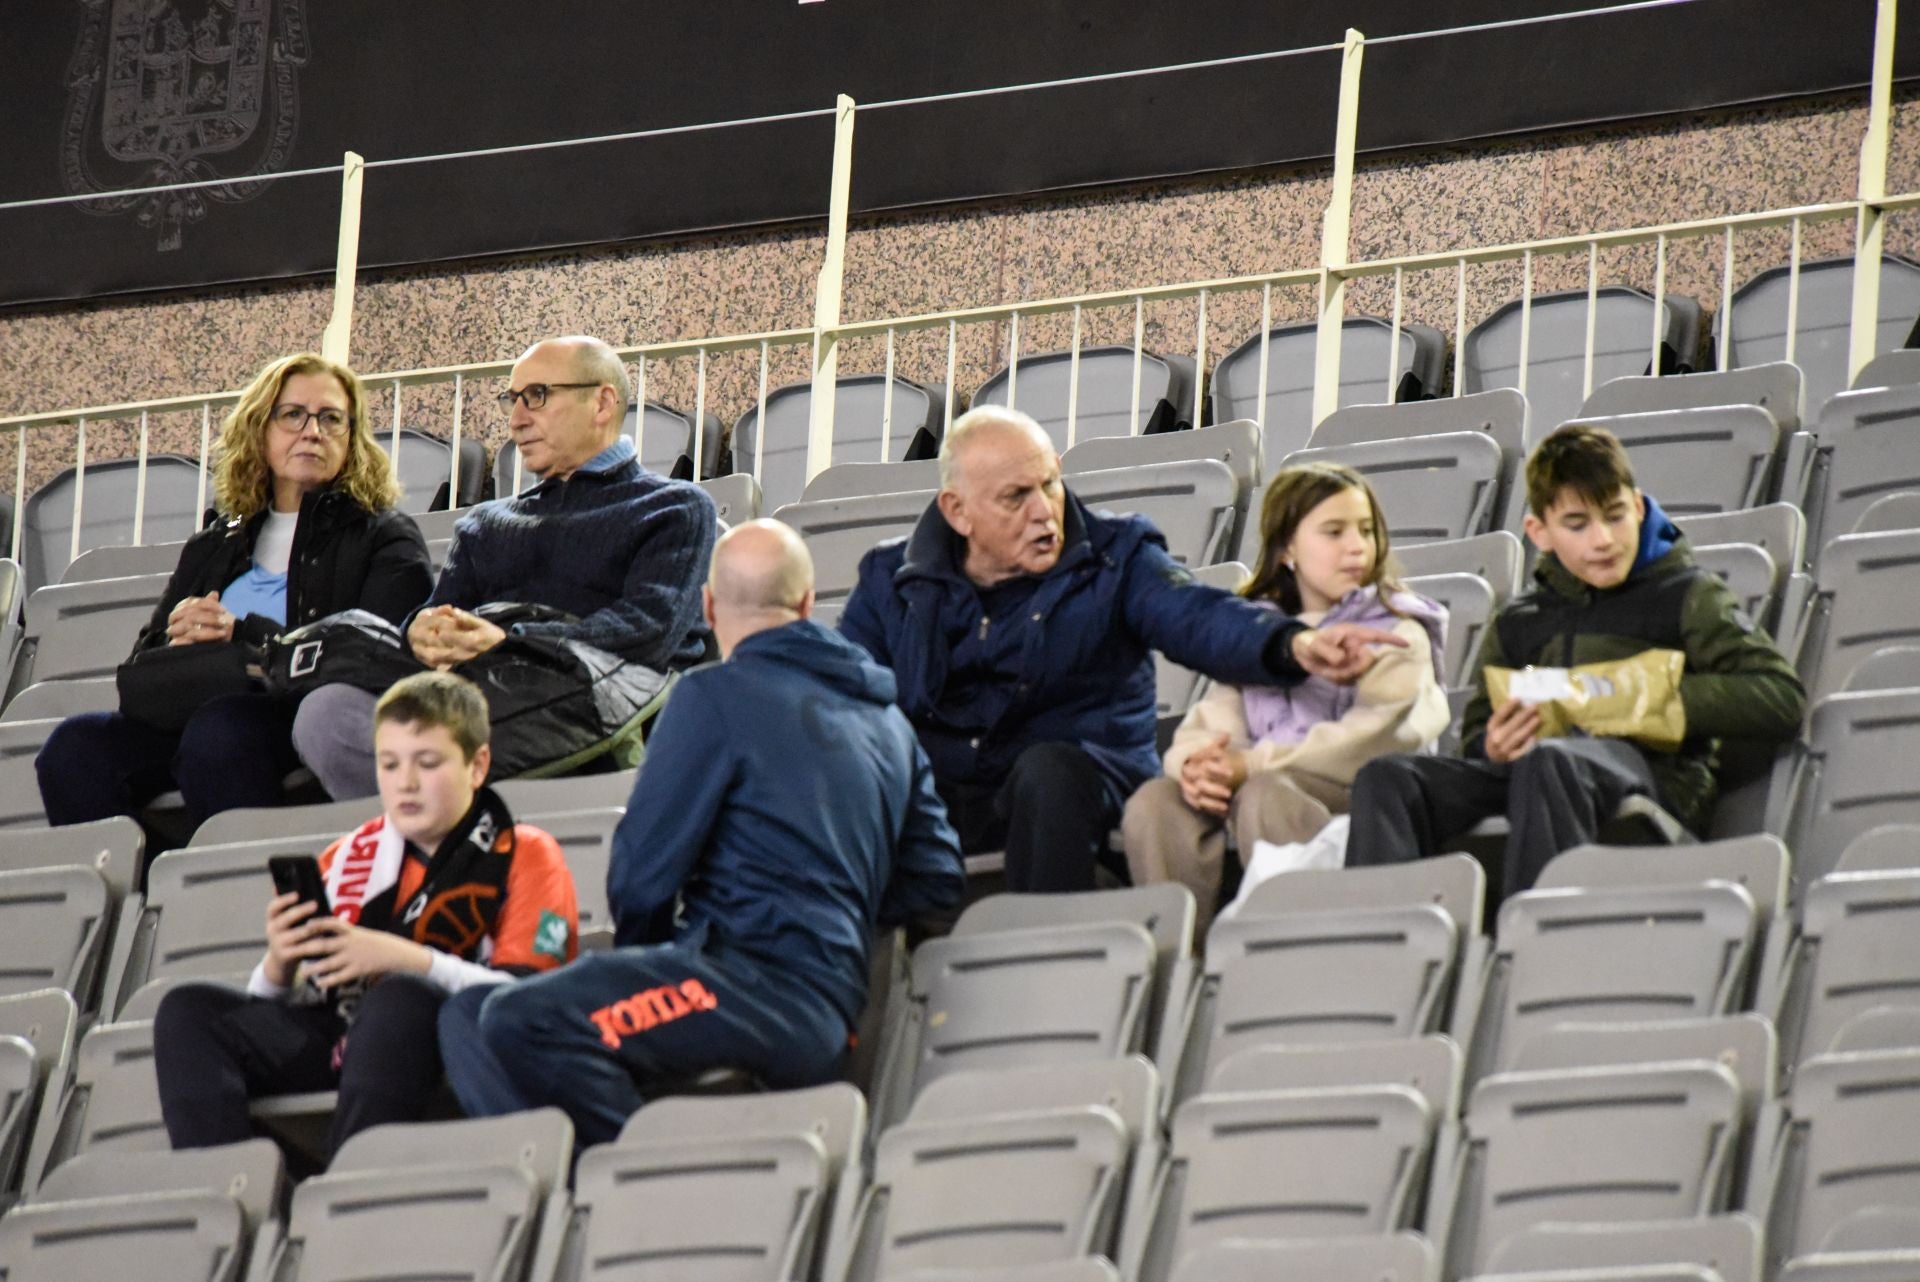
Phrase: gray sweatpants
(333, 733)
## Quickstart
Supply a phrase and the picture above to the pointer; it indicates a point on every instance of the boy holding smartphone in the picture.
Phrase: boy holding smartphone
(442, 892)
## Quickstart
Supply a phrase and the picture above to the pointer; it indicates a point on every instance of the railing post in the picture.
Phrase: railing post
(337, 342)
(1333, 235)
(826, 298)
(1869, 232)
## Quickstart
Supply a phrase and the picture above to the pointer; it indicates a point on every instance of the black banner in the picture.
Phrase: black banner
(100, 95)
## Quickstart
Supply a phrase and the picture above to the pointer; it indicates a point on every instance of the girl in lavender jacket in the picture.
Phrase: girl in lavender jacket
(1275, 764)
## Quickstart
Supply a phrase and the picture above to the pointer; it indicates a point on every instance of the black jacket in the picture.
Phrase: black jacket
(344, 558)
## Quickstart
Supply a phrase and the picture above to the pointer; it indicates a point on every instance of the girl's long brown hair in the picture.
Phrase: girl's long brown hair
(1291, 495)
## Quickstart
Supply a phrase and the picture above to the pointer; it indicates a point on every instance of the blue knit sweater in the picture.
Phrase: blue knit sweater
(622, 549)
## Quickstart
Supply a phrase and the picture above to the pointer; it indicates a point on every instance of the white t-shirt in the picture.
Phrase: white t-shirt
(273, 549)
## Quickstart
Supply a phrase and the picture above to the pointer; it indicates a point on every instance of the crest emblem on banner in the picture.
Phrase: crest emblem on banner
(173, 91)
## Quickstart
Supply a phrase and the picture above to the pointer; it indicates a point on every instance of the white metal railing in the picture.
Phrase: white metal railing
(1329, 278)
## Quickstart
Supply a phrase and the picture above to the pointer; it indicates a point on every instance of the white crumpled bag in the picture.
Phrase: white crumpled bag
(1328, 849)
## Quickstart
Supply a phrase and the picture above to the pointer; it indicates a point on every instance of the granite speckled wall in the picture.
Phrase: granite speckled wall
(1777, 156)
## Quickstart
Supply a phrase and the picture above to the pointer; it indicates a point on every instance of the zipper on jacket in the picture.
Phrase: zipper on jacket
(984, 622)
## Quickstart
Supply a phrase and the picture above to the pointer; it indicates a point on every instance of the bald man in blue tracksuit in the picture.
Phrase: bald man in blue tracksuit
(784, 810)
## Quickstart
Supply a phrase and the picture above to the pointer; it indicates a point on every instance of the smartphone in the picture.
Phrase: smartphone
(300, 875)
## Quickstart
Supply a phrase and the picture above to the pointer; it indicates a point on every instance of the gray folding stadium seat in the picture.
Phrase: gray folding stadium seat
(1745, 1044)
(1776, 388)
(1358, 954)
(112, 1104)
(727, 1220)
(1748, 571)
(1608, 954)
(1824, 319)
(1888, 848)
(838, 532)
(441, 524)
(857, 480)
(1014, 1189)
(1725, 1247)
(1177, 688)
(1431, 1067)
(425, 466)
(123, 562)
(323, 820)
(1085, 1269)
(1865, 603)
(1039, 387)
(1237, 444)
(54, 924)
(666, 435)
(1891, 512)
(1654, 1142)
(1623, 339)
(1496, 558)
(1846, 1146)
(1387, 1257)
(106, 499)
(59, 699)
(1165, 910)
(1366, 359)
(448, 1200)
(1471, 603)
(1778, 529)
(860, 410)
(1866, 447)
(20, 743)
(586, 839)
(124, 1185)
(736, 497)
(203, 918)
(1853, 774)
(1858, 950)
(197, 1236)
(1284, 1164)
(111, 847)
(1502, 414)
(1194, 503)
(85, 629)
(1889, 369)
(1017, 997)
(36, 1053)
(568, 793)
(1443, 486)
(1711, 459)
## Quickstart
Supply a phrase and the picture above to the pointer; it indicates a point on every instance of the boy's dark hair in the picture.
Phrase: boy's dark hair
(1590, 461)
(438, 699)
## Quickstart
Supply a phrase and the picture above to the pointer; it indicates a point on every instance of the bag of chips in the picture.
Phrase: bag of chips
(1636, 698)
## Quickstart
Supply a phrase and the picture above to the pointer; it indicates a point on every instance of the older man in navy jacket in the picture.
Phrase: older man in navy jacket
(784, 810)
(1020, 627)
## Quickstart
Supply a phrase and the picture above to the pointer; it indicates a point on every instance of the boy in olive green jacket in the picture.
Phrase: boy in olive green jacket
(1615, 579)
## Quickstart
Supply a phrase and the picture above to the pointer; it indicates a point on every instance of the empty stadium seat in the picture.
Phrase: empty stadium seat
(1366, 360)
(37, 1032)
(1776, 388)
(838, 532)
(1824, 319)
(1866, 447)
(1705, 460)
(1194, 503)
(1502, 414)
(1471, 603)
(1846, 1145)
(106, 502)
(1178, 688)
(1778, 529)
(117, 562)
(1555, 379)
(112, 1103)
(1013, 998)
(586, 840)
(1443, 486)
(1853, 775)
(1608, 954)
(1654, 1142)
(425, 469)
(204, 917)
(188, 1235)
(1891, 512)
(1038, 386)
(1858, 951)
(736, 497)
(84, 629)
(1744, 1044)
(1864, 603)
(1888, 848)
(1889, 369)
(54, 924)
(858, 480)
(860, 412)
(1236, 444)
(1723, 1247)
(1388, 1257)
(59, 699)
(1430, 1066)
(20, 743)
(1496, 558)
(1747, 571)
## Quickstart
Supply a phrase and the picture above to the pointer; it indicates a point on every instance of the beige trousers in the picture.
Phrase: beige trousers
(1168, 840)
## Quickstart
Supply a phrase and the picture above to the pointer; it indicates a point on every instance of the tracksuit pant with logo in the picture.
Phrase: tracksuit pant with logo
(598, 1037)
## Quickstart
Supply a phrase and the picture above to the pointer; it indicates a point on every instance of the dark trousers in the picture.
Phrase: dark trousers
(1554, 798)
(233, 752)
(600, 1036)
(1052, 815)
(215, 1048)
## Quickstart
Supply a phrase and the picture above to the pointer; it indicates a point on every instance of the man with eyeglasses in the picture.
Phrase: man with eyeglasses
(617, 547)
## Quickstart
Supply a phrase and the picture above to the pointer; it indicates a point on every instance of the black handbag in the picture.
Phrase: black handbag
(162, 686)
(354, 647)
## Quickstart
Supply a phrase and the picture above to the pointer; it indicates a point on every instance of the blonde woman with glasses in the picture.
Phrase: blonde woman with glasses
(305, 527)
